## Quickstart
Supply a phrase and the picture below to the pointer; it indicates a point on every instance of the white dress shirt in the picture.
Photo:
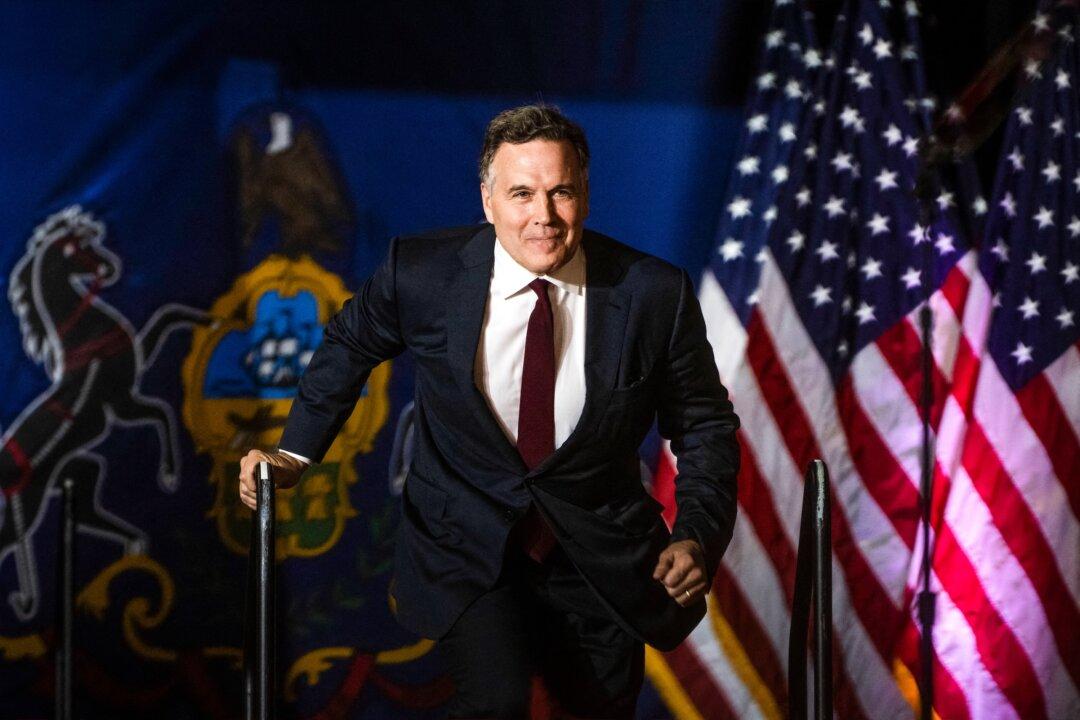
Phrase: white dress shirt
(501, 353)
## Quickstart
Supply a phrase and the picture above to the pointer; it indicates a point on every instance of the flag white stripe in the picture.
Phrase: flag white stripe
(704, 644)
(1063, 375)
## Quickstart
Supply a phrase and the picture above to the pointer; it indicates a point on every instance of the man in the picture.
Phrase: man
(543, 354)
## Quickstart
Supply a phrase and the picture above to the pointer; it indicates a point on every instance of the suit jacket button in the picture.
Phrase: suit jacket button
(509, 515)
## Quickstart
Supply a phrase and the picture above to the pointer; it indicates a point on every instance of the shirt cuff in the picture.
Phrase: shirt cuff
(301, 458)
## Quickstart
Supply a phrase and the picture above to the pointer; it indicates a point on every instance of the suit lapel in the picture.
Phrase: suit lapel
(467, 296)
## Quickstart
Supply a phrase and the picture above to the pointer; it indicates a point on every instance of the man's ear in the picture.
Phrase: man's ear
(485, 199)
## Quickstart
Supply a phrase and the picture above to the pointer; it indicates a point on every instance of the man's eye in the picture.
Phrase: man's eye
(521, 194)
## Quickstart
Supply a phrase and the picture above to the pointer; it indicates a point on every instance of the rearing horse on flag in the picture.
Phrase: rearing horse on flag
(95, 360)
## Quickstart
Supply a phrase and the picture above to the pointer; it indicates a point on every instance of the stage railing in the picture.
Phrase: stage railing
(813, 580)
(259, 637)
(65, 669)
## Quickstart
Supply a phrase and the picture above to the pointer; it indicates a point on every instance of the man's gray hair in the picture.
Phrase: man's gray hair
(532, 122)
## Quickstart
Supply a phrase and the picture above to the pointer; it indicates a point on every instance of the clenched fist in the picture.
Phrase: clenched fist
(287, 472)
(681, 569)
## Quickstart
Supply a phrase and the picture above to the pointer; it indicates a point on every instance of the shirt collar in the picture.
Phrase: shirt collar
(508, 278)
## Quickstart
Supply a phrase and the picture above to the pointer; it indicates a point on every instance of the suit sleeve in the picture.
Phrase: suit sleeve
(356, 340)
(696, 415)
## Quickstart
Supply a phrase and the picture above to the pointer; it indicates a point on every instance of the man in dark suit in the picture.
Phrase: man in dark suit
(543, 354)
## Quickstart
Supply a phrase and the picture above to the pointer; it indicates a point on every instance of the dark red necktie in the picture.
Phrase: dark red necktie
(536, 413)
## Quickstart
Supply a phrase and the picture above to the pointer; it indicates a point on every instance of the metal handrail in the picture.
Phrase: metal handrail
(813, 581)
(259, 671)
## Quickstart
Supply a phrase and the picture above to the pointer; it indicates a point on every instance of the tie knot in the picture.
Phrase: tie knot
(539, 286)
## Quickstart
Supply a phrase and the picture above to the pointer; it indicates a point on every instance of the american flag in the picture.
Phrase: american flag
(812, 302)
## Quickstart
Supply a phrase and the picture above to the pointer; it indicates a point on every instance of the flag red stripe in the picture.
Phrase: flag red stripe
(1021, 531)
(1044, 413)
(891, 488)
(1002, 654)
(699, 684)
(901, 346)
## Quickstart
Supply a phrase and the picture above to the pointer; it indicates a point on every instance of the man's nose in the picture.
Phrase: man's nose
(544, 212)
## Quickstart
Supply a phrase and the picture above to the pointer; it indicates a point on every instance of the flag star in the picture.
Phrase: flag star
(911, 103)
(979, 206)
(819, 107)
(739, 207)
(917, 234)
(769, 215)
(892, 135)
(731, 249)
(1061, 79)
(757, 123)
(911, 278)
(1065, 318)
(1052, 171)
(1016, 158)
(787, 132)
(882, 49)
(862, 80)
(878, 224)
(1036, 263)
(793, 90)
(1045, 217)
(1031, 69)
(1074, 227)
(774, 39)
(1008, 205)
(766, 81)
(1022, 353)
(748, 165)
(851, 117)
(866, 34)
(796, 240)
(851, 259)
(753, 298)
(1029, 308)
(842, 348)
(761, 256)
(1001, 250)
(954, 113)
(1041, 22)
(779, 174)
(841, 161)
(908, 52)
(1076, 180)
(995, 300)
(1065, 33)
(821, 295)
(871, 268)
(911, 8)
(835, 206)
(1023, 113)
(1058, 126)
(810, 152)
(865, 313)
(803, 196)
(944, 244)
(911, 145)
(886, 179)
(812, 58)
(827, 251)
(945, 200)
(928, 103)
(845, 305)
(1071, 272)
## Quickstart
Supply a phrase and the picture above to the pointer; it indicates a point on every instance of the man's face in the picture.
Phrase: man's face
(537, 197)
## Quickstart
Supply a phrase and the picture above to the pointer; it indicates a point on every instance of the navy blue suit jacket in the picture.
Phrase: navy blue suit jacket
(646, 357)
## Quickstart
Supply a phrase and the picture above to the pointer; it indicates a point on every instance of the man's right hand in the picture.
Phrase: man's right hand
(287, 472)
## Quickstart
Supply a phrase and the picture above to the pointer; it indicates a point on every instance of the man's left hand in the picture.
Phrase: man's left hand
(681, 568)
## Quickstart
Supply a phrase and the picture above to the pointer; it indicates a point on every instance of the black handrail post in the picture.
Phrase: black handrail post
(813, 581)
(259, 661)
(823, 705)
(66, 603)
